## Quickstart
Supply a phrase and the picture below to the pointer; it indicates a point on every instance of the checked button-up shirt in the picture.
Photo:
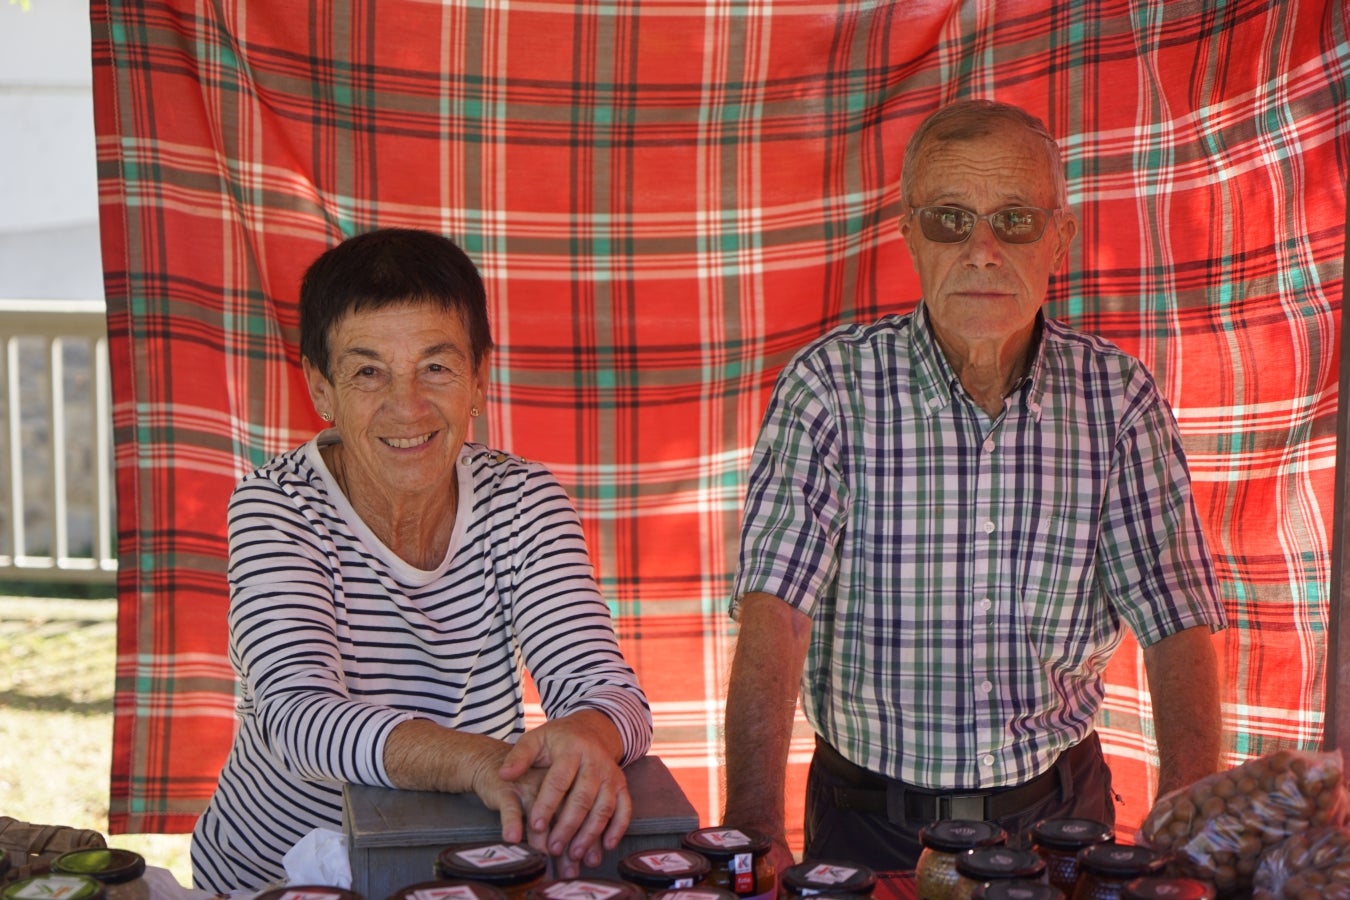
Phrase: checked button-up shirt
(968, 578)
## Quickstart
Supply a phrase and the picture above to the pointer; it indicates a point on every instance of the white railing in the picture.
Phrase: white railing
(57, 520)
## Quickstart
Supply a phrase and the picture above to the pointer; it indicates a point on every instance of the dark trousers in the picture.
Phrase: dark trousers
(890, 841)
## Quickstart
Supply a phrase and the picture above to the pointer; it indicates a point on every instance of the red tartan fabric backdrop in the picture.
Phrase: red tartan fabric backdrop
(666, 200)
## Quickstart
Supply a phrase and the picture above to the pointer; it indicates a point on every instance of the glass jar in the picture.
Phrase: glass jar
(308, 892)
(511, 868)
(45, 887)
(835, 878)
(1159, 888)
(984, 865)
(587, 889)
(943, 841)
(700, 892)
(1058, 842)
(660, 870)
(1016, 889)
(739, 860)
(1105, 869)
(448, 890)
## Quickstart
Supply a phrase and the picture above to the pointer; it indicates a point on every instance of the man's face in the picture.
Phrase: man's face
(983, 289)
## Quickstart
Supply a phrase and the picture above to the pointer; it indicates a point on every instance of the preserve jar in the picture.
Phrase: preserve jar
(586, 889)
(1160, 888)
(943, 841)
(448, 890)
(511, 868)
(51, 884)
(698, 892)
(1015, 889)
(828, 877)
(1105, 869)
(1058, 842)
(984, 865)
(308, 892)
(738, 859)
(658, 870)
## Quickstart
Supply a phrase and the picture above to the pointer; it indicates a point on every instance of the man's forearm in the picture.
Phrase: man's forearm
(1183, 678)
(761, 704)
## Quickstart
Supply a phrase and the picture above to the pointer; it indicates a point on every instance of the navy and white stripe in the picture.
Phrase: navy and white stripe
(336, 641)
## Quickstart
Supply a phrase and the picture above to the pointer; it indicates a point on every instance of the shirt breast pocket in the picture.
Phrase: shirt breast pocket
(1059, 556)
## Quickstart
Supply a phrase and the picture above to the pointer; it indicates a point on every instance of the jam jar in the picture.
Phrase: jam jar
(511, 868)
(834, 878)
(308, 892)
(659, 870)
(586, 889)
(1105, 869)
(1159, 888)
(1017, 889)
(698, 892)
(984, 865)
(739, 859)
(448, 890)
(1058, 842)
(943, 841)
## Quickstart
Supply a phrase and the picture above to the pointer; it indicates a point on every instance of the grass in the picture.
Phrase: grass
(56, 690)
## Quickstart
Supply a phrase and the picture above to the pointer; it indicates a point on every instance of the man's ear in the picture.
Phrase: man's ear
(1066, 230)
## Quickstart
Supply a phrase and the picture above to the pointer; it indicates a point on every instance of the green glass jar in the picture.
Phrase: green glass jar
(977, 868)
(943, 841)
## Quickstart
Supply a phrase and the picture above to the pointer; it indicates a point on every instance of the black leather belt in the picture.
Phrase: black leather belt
(866, 791)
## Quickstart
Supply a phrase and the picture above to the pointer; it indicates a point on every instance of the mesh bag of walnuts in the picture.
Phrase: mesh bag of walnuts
(1310, 865)
(1218, 828)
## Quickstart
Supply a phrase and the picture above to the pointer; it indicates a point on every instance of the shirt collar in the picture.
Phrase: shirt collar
(937, 381)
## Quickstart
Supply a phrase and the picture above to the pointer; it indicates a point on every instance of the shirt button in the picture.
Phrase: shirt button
(985, 603)
(986, 687)
(987, 760)
(988, 445)
(988, 527)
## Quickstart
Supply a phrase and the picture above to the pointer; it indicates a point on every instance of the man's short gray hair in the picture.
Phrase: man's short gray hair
(967, 120)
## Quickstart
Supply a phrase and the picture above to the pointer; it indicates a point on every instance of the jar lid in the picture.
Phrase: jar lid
(492, 862)
(587, 889)
(1019, 889)
(1168, 889)
(663, 868)
(721, 842)
(1120, 860)
(1071, 834)
(308, 892)
(955, 835)
(988, 863)
(829, 877)
(448, 890)
(700, 892)
(110, 866)
(44, 887)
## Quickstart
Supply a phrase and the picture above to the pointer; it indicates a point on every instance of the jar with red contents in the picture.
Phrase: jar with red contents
(511, 868)
(662, 870)
(832, 878)
(1058, 841)
(739, 860)
(1105, 869)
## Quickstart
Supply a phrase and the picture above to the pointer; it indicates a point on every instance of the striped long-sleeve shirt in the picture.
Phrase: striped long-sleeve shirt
(336, 641)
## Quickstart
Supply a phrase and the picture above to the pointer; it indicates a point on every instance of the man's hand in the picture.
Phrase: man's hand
(573, 797)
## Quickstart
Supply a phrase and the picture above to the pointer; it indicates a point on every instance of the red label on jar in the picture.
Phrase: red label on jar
(743, 873)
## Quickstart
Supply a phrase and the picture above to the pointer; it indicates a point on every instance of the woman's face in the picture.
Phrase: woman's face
(402, 387)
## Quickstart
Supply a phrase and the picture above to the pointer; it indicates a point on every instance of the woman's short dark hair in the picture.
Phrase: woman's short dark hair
(387, 267)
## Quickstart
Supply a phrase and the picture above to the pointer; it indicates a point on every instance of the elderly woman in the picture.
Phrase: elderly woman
(389, 577)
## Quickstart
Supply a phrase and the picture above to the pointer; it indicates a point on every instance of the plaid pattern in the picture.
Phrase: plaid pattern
(666, 201)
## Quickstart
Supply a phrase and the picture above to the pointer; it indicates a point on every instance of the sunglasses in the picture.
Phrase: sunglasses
(952, 224)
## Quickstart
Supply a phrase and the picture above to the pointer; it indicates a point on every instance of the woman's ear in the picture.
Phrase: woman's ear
(320, 388)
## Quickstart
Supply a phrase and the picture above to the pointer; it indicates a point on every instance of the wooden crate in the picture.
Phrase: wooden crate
(393, 837)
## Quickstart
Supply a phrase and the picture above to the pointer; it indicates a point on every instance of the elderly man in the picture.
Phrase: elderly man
(951, 516)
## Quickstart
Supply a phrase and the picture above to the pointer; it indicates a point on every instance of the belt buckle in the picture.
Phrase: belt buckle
(963, 806)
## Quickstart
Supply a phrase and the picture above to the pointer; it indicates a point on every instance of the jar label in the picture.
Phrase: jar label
(493, 855)
(827, 874)
(581, 890)
(52, 887)
(448, 892)
(665, 862)
(725, 837)
(743, 873)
